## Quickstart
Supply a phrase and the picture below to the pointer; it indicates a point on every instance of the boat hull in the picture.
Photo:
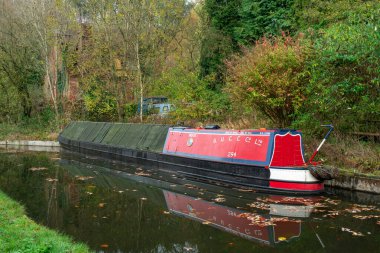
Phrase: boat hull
(231, 174)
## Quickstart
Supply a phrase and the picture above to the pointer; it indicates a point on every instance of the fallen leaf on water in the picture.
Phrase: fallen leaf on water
(281, 238)
(38, 168)
(51, 179)
(206, 222)
(83, 178)
(244, 215)
(331, 214)
(89, 193)
(364, 217)
(244, 190)
(142, 174)
(354, 233)
(143, 198)
(219, 200)
(104, 246)
(259, 205)
(166, 212)
(101, 205)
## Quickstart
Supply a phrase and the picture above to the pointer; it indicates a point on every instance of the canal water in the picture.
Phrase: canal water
(117, 207)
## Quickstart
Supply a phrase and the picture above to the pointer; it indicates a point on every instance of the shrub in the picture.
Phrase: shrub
(270, 77)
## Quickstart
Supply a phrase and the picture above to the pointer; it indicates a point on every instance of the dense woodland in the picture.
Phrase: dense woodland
(238, 63)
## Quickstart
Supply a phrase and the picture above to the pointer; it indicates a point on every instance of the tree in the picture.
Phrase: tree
(134, 34)
(20, 62)
(232, 24)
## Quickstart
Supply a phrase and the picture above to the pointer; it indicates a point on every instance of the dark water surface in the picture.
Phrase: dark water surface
(115, 207)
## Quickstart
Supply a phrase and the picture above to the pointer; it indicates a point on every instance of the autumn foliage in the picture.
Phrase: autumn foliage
(270, 77)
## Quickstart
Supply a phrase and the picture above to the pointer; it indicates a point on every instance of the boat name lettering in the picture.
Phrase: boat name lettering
(258, 142)
(231, 138)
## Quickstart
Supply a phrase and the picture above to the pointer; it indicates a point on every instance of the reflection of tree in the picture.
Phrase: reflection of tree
(52, 207)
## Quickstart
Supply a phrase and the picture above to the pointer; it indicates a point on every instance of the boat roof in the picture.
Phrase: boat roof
(280, 130)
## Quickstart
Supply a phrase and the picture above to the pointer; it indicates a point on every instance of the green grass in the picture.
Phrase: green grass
(18, 233)
(26, 131)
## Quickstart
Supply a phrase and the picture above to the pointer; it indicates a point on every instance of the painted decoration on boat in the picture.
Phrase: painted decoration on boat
(248, 147)
(287, 150)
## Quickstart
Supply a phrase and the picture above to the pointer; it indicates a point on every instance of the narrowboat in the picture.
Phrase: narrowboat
(270, 160)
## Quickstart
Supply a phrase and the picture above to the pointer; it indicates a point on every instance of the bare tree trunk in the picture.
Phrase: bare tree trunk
(50, 85)
(139, 77)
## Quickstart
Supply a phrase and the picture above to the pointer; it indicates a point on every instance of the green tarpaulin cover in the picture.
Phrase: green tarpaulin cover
(134, 136)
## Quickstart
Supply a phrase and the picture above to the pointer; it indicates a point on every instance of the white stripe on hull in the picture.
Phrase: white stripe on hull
(298, 175)
(291, 210)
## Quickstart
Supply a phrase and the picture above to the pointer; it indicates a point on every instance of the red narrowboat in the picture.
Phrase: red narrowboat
(267, 160)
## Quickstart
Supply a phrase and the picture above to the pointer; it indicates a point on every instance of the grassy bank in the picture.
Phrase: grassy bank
(18, 233)
(29, 131)
(347, 153)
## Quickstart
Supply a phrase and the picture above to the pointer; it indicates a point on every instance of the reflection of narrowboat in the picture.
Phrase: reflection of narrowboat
(264, 228)
(278, 217)
(269, 160)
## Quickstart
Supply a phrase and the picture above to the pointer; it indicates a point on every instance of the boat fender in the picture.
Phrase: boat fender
(323, 172)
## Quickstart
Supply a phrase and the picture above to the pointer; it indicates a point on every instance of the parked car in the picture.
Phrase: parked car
(155, 105)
